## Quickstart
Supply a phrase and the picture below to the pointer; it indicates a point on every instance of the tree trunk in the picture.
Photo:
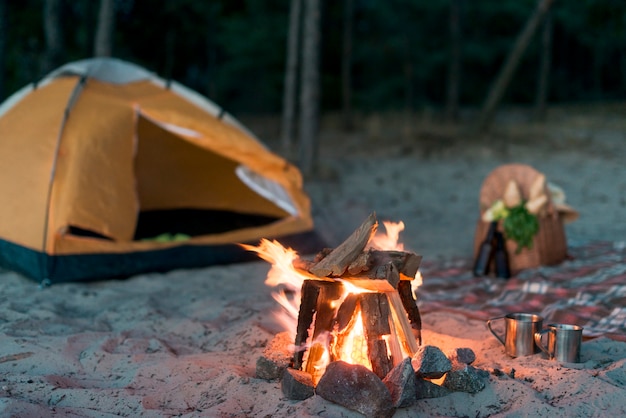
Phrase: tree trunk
(409, 87)
(3, 42)
(291, 77)
(599, 54)
(170, 53)
(544, 70)
(622, 56)
(212, 34)
(211, 86)
(310, 91)
(103, 43)
(454, 62)
(346, 65)
(53, 54)
(506, 73)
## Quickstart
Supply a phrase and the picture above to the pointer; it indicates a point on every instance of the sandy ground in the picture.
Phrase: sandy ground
(432, 182)
(185, 343)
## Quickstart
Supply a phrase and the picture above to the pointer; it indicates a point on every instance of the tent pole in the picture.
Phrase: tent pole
(47, 260)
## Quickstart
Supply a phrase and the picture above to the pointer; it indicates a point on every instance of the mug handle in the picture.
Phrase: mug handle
(539, 342)
(493, 332)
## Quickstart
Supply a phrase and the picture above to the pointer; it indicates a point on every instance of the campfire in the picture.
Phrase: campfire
(353, 305)
(356, 302)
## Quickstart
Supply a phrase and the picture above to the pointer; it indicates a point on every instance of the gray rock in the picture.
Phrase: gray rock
(468, 379)
(425, 390)
(401, 382)
(276, 357)
(462, 356)
(297, 384)
(357, 388)
(430, 362)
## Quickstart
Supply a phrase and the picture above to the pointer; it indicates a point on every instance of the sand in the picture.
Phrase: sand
(185, 343)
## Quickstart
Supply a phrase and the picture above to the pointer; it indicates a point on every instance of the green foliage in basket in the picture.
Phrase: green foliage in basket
(521, 226)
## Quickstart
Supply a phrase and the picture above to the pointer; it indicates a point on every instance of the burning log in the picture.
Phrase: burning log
(308, 307)
(410, 344)
(317, 296)
(387, 271)
(375, 314)
(359, 264)
(372, 260)
(410, 306)
(338, 260)
(345, 313)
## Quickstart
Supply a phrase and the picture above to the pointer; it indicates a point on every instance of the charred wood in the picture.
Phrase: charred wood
(410, 306)
(375, 313)
(338, 260)
(308, 306)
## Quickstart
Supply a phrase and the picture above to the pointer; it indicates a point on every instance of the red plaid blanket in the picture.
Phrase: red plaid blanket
(588, 289)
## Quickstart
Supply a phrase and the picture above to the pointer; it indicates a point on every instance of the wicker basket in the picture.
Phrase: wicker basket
(549, 244)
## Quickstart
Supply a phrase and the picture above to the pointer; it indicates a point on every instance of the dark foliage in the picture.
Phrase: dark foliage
(234, 50)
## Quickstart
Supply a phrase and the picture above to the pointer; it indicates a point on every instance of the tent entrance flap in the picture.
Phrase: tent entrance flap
(185, 189)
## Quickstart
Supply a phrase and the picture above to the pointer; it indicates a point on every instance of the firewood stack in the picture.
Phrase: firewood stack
(378, 285)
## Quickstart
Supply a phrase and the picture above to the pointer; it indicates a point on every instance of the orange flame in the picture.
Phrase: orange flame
(353, 347)
(288, 280)
(283, 277)
(389, 240)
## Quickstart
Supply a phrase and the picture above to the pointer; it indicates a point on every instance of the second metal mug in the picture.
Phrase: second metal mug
(563, 342)
(519, 333)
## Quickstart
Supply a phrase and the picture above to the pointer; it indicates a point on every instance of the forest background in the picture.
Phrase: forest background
(406, 56)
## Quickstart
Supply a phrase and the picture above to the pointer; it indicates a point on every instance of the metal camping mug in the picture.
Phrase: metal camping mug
(519, 333)
(563, 342)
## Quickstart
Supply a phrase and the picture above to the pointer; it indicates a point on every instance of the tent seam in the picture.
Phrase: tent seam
(66, 114)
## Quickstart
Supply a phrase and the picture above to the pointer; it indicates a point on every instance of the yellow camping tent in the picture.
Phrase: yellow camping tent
(108, 170)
